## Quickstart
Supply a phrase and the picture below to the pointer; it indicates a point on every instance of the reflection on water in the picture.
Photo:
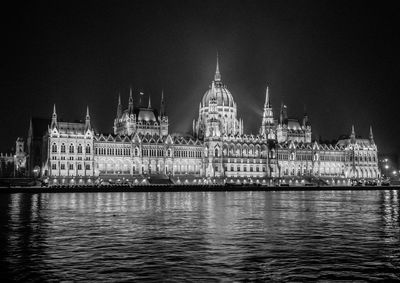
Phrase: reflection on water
(208, 236)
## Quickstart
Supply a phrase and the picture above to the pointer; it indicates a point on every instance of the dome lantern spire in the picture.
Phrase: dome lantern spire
(149, 106)
(217, 76)
(267, 100)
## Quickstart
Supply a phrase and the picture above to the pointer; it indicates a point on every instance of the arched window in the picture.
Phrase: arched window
(87, 149)
(63, 148)
(216, 152)
(136, 151)
(169, 152)
(54, 148)
(79, 148)
(71, 148)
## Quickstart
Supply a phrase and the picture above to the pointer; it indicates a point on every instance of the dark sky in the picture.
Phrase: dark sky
(339, 59)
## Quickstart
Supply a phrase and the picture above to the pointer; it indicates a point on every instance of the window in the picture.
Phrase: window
(71, 167)
(53, 166)
(87, 149)
(71, 148)
(54, 148)
(62, 166)
(79, 148)
(79, 166)
(63, 148)
(136, 151)
(216, 152)
(87, 166)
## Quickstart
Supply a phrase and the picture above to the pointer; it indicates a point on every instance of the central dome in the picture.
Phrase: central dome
(220, 93)
(217, 111)
(146, 115)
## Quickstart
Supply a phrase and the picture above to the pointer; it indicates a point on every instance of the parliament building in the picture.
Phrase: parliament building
(142, 150)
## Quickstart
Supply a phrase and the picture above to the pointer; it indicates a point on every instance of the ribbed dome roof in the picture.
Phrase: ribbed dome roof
(146, 115)
(220, 93)
(142, 114)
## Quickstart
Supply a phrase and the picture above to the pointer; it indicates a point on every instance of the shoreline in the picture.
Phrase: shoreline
(186, 188)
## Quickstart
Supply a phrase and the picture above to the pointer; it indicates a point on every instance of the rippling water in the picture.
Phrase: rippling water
(201, 236)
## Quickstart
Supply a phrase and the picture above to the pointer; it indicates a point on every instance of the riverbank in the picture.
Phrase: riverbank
(184, 188)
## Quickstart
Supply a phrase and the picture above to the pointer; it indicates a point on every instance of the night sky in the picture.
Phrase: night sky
(337, 59)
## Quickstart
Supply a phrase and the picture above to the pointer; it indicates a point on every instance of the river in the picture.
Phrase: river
(201, 236)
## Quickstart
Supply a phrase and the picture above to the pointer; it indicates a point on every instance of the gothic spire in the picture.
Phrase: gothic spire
(119, 107)
(353, 134)
(54, 117)
(149, 106)
(87, 121)
(162, 110)
(217, 76)
(371, 135)
(130, 107)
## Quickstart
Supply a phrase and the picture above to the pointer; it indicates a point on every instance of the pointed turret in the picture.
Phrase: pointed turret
(149, 106)
(217, 76)
(54, 117)
(119, 107)
(353, 134)
(87, 120)
(130, 107)
(371, 135)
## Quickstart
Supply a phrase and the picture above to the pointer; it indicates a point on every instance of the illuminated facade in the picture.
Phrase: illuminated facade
(142, 148)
